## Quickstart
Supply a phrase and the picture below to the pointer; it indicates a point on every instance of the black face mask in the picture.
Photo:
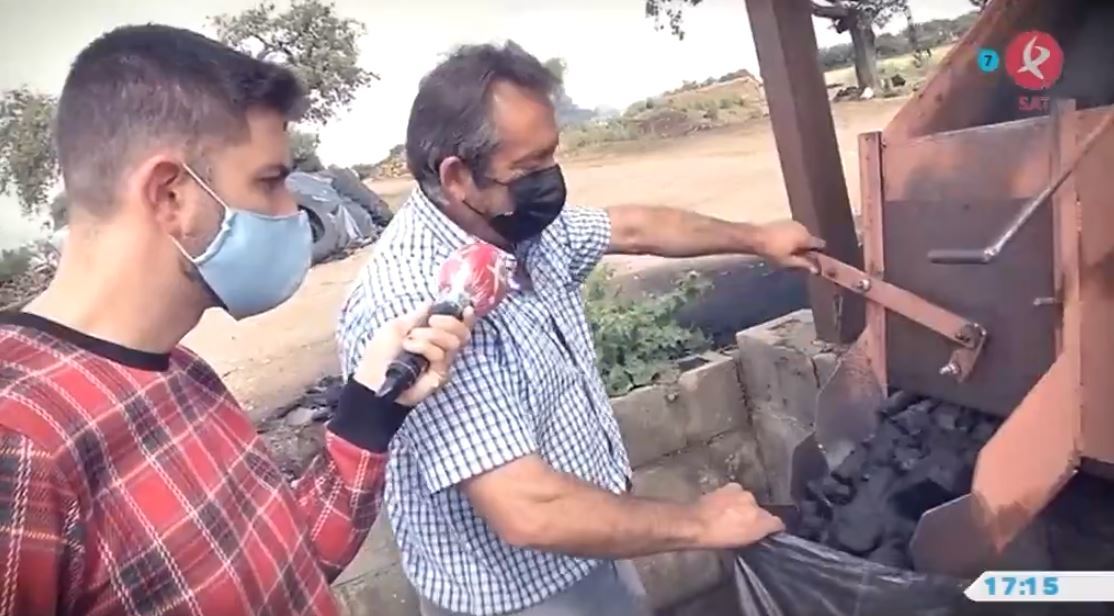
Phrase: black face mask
(538, 201)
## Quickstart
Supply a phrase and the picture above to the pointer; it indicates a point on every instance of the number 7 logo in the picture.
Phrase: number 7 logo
(988, 60)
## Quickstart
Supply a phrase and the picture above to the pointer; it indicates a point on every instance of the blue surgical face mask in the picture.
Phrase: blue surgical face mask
(255, 262)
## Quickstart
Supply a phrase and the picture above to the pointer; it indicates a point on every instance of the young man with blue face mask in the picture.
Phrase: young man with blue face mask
(130, 480)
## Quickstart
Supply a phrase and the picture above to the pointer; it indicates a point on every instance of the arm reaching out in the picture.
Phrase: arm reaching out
(670, 232)
(529, 504)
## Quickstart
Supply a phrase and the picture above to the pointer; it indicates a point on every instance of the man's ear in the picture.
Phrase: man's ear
(161, 185)
(456, 180)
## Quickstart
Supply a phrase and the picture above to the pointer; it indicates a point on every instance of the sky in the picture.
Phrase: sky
(613, 53)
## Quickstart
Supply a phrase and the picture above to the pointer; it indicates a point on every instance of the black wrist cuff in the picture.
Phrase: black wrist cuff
(366, 420)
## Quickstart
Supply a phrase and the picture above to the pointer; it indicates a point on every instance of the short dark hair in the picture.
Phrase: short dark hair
(452, 111)
(142, 86)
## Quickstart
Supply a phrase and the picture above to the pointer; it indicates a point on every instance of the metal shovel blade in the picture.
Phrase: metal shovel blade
(846, 407)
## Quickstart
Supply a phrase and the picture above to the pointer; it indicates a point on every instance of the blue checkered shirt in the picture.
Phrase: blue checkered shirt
(526, 384)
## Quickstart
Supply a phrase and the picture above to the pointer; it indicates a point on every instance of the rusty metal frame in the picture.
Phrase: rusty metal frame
(967, 335)
(1038, 448)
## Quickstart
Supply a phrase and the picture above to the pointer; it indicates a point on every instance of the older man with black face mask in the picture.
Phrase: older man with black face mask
(132, 482)
(508, 490)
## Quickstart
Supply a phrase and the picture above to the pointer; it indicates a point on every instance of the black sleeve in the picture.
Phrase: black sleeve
(366, 420)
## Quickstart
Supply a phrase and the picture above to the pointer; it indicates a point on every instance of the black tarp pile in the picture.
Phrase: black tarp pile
(344, 214)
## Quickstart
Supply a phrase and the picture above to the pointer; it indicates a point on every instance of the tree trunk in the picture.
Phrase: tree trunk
(866, 54)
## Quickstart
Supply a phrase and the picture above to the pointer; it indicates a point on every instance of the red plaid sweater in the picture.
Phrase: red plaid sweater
(132, 483)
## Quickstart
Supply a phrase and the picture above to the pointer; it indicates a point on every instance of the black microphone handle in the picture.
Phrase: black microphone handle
(404, 370)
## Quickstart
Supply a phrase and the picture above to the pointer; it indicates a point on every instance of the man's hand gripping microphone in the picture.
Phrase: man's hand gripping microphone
(475, 276)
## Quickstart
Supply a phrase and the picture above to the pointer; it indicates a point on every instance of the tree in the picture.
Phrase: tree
(303, 151)
(310, 39)
(859, 17)
(670, 10)
(28, 160)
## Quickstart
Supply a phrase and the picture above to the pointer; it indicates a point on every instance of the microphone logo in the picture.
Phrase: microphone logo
(1034, 60)
(477, 271)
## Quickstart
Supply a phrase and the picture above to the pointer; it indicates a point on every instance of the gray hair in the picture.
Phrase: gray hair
(451, 115)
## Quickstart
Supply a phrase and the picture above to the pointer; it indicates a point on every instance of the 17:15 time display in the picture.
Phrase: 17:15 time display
(1008, 585)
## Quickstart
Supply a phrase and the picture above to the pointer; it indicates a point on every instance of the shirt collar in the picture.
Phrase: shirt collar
(447, 231)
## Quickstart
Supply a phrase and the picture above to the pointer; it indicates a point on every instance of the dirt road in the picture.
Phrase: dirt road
(731, 173)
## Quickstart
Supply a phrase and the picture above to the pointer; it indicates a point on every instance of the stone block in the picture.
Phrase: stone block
(683, 477)
(675, 577)
(712, 400)
(741, 461)
(777, 380)
(386, 592)
(777, 436)
(793, 331)
(722, 600)
(651, 426)
(825, 364)
(374, 583)
(379, 551)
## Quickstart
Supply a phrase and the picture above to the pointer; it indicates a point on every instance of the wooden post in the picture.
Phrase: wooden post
(809, 153)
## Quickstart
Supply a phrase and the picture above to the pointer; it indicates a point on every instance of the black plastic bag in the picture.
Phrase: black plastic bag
(784, 575)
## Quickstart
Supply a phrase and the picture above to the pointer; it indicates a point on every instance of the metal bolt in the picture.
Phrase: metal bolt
(949, 369)
(1045, 301)
(863, 285)
(963, 336)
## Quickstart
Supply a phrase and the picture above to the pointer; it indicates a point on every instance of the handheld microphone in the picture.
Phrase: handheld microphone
(475, 275)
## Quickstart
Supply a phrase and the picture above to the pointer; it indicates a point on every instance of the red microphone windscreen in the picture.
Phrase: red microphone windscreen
(479, 270)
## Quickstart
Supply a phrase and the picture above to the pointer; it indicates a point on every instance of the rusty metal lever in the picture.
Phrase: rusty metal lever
(967, 335)
(982, 256)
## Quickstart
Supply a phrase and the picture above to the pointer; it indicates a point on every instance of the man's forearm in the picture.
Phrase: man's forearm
(670, 232)
(590, 522)
(553, 511)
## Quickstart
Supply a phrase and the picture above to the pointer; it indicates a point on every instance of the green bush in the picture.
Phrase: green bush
(14, 262)
(611, 131)
(638, 341)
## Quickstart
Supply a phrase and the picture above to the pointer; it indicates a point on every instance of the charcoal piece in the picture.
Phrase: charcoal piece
(916, 418)
(970, 457)
(812, 526)
(854, 532)
(906, 457)
(851, 467)
(946, 417)
(838, 492)
(892, 554)
(815, 502)
(967, 420)
(897, 403)
(882, 446)
(983, 431)
(937, 480)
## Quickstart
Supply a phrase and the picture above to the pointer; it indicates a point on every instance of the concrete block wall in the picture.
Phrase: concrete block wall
(733, 418)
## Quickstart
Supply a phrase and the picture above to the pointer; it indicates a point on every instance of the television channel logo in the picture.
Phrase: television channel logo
(1033, 60)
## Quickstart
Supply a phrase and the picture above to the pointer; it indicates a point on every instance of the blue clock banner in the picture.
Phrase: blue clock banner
(1042, 586)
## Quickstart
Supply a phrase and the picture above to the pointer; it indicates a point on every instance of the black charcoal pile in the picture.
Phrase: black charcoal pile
(922, 455)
